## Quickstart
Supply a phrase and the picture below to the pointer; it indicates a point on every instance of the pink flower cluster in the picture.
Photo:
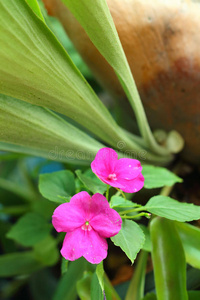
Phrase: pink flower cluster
(87, 220)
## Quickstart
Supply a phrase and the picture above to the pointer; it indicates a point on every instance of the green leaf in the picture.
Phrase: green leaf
(110, 291)
(14, 188)
(147, 244)
(64, 265)
(57, 28)
(95, 18)
(193, 278)
(46, 251)
(57, 186)
(14, 264)
(130, 239)
(35, 68)
(93, 184)
(42, 284)
(100, 275)
(193, 295)
(156, 177)
(118, 202)
(4, 156)
(190, 237)
(66, 289)
(53, 154)
(36, 8)
(83, 286)
(171, 209)
(39, 129)
(96, 291)
(150, 296)
(30, 229)
(44, 207)
(136, 286)
(168, 260)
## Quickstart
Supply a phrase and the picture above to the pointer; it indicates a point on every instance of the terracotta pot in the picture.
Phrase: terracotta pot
(161, 40)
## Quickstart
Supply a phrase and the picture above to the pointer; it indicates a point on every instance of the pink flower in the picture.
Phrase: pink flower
(123, 173)
(88, 221)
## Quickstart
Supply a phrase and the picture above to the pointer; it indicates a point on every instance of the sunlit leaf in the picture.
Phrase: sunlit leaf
(35, 7)
(34, 67)
(39, 129)
(96, 19)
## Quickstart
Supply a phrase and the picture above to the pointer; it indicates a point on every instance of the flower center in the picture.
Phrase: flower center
(112, 176)
(86, 226)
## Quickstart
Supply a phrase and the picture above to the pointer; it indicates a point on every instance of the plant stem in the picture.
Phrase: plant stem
(122, 193)
(166, 190)
(132, 210)
(118, 193)
(107, 192)
(143, 214)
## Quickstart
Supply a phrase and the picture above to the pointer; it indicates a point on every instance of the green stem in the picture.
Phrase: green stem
(166, 190)
(99, 15)
(136, 103)
(107, 192)
(118, 193)
(121, 192)
(139, 208)
(143, 214)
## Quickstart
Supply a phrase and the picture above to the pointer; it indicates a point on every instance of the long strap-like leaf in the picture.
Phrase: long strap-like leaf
(96, 19)
(34, 67)
(43, 132)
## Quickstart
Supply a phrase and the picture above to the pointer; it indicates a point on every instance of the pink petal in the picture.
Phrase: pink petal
(96, 247)
(131, 186)
(104, 220)
(98, 204)
(127, 168)
(89, 206)
(104, 162)
(82, 202)
(107, 224)
(111, 182)
(74, 245)
(67, 217)
(84, 243)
